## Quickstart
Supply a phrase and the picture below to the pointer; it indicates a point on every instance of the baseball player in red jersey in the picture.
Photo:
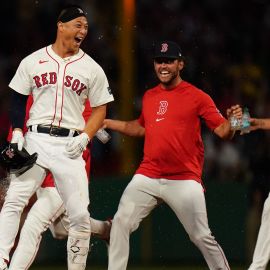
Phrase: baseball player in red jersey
(49, 212)
(173, 159)
(261, 253)
(61, 77)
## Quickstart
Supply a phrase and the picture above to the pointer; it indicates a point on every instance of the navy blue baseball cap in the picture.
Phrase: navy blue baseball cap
(70, 12)
(167, 49)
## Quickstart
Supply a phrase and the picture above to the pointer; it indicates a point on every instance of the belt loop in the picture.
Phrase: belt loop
(71, 133)
(34, 128)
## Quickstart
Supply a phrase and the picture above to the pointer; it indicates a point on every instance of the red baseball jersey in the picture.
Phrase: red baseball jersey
(173, 147)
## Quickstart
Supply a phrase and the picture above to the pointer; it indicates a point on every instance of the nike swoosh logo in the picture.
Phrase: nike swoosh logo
(42, 62)
(159, 119)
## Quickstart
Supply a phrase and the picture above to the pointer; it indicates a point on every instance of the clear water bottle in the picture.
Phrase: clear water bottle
(236, 124)
(103, 135)
(245, 121)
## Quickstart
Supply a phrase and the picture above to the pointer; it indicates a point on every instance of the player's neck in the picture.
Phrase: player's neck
(61, 50)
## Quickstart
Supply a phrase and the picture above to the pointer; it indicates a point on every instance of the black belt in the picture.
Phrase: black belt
(55, 131)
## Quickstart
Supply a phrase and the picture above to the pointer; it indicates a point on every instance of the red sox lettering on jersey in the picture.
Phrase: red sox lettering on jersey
(51, 78)
(61, 87)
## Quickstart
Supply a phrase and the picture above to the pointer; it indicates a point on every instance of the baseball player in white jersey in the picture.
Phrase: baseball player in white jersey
(61, 77)
(48, 212)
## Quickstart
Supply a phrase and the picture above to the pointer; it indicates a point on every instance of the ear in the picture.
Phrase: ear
(60, 26)
(181, 64)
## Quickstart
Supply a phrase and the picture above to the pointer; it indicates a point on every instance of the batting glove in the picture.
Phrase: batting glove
(77, 145)
(17, 137)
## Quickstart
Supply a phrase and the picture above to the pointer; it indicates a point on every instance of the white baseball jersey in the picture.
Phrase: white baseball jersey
(60, 87)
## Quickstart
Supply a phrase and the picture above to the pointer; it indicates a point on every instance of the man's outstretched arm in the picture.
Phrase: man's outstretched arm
(130, 128)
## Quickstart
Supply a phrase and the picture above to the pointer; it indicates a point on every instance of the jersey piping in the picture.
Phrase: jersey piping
(55, 103)
(63, 87)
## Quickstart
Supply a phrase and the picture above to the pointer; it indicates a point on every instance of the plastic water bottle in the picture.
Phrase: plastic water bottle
(245, 121)
(103, 135)
(236, 124)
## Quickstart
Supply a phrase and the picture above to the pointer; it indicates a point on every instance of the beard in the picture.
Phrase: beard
(170, 81)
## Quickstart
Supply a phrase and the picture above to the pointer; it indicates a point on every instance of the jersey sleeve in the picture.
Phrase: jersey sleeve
(209, 112)
(100, 92)
(21, 82)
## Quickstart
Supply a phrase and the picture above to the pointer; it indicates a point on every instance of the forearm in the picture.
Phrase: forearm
(95, 121)
(224, 131)
(263, 123)
(130, 128)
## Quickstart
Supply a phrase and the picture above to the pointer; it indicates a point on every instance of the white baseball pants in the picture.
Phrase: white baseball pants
(185, 198)
(261, 254)
(47, 211)
(72, 185)
(43, 213)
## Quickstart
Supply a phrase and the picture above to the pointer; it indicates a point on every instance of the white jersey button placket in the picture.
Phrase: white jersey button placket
(60, 92)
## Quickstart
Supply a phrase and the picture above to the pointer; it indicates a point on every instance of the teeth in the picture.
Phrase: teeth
(164, 72)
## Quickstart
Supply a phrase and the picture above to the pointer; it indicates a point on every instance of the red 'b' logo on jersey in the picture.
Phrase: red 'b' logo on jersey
(162, 107)
(164, 47)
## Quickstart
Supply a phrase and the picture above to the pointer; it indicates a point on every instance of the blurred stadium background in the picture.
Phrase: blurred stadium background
(226, 46)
